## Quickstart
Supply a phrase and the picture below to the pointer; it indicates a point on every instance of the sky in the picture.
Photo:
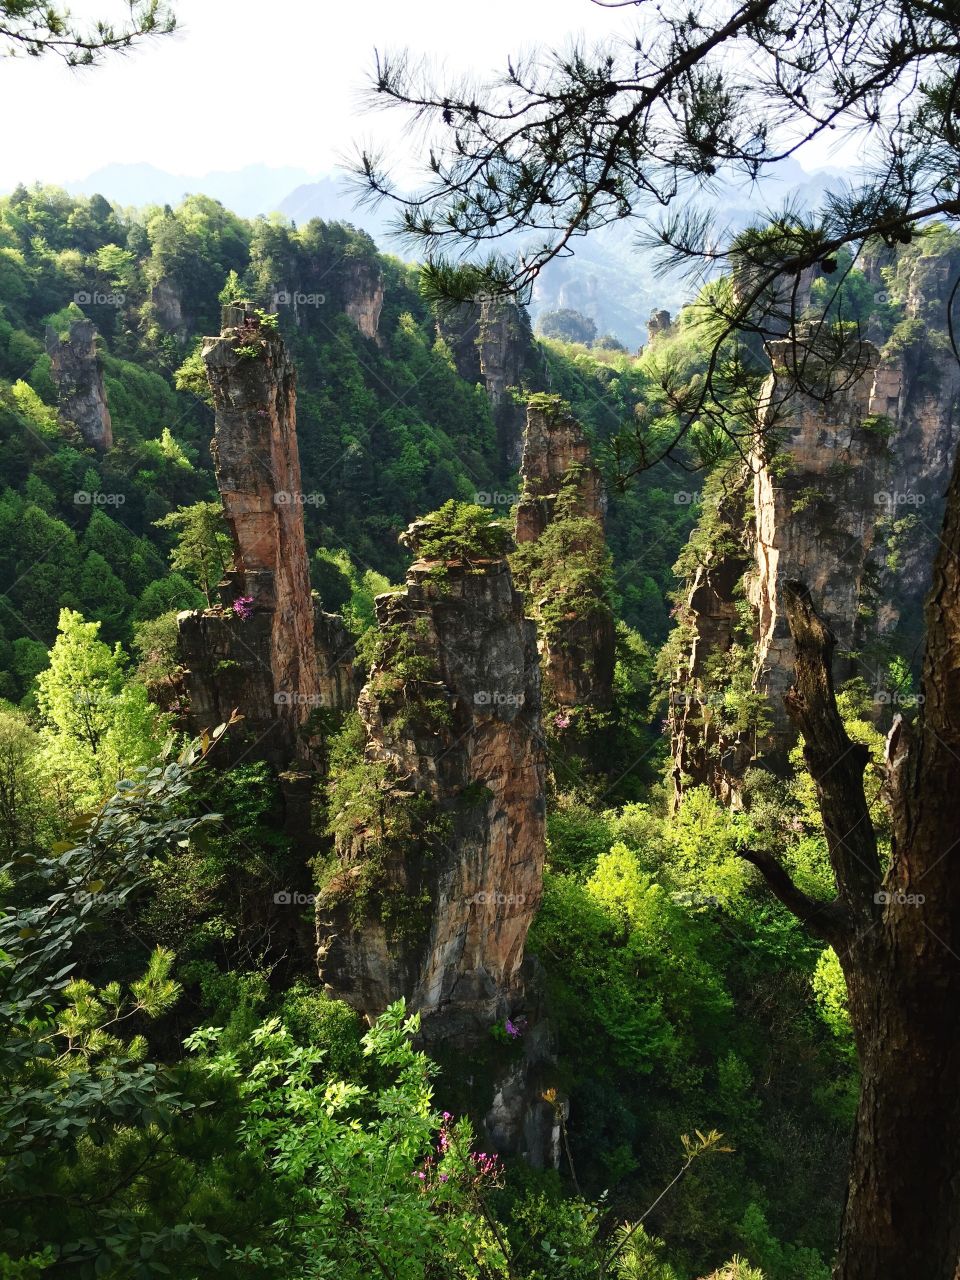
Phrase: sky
(277, 82)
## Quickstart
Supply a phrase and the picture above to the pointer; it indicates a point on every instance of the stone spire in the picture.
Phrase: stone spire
(78, 374)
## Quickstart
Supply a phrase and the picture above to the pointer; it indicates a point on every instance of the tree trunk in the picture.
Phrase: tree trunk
(902, 1216)
(897, 936)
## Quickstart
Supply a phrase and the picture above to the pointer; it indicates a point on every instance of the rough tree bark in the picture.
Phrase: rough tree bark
(897, 935)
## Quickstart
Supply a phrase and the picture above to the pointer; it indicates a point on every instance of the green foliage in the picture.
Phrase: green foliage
(568, 326)
(84, 1108)
(97, 725)
(27, 801)
(202, 550)
(460, 531)
(343, 588)
(289, 1145)
(366, 1185)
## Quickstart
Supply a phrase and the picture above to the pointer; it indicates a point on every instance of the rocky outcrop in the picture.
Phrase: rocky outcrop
(556, 457)
(706, 747)
(339, 680)
(844, 493)
(437, 873)
(78, 374)
(257, 652)
(363, 296)
(311, 287)
(433, 890)
(167, 303)
(658, 323)
(492, 344)
(815, 517)
(562, 488)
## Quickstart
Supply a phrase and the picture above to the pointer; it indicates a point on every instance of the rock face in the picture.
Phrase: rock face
(313, 287)
(848, 499)
(556, 455)
(434, 890)
(561, 483)
(816, 522)
(168, 308)
(363, 296)
(437, 873)
(658, 323)
(492, 344)
(258, 651)
(78, 374)
(707, 750)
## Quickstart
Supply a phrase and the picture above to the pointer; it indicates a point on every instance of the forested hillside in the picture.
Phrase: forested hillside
(658, 950)
(477, 802)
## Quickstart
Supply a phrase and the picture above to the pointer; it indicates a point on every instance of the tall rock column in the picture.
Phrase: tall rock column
(439, 863)
(492, 343)
(440, 836)
(78, 374)
(565, 574)
(816, 515)
(256, 653)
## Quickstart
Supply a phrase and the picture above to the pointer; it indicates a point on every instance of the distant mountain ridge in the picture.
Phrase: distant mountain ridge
(609, 279)
(255, 189)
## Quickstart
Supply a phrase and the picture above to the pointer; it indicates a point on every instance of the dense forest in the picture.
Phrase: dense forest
(656, 940)
(476, 802)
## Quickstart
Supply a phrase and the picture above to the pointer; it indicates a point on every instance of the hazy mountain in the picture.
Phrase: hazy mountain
(333, 200)
(616, 282)
(257, 188)
(610, 278)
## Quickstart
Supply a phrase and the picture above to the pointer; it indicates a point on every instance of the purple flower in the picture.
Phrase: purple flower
(243, 607)
(561, 720)
(512, 1029)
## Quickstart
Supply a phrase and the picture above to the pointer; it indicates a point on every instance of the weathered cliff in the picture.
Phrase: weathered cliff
(166, 308)
(78, 374)
(258, 652)
(843, 492)
(492, 343)
(816, 476)
(439, 824)
(562, 559)
(434, 888)
(712, 649)
(363, 296)
(319, 282)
